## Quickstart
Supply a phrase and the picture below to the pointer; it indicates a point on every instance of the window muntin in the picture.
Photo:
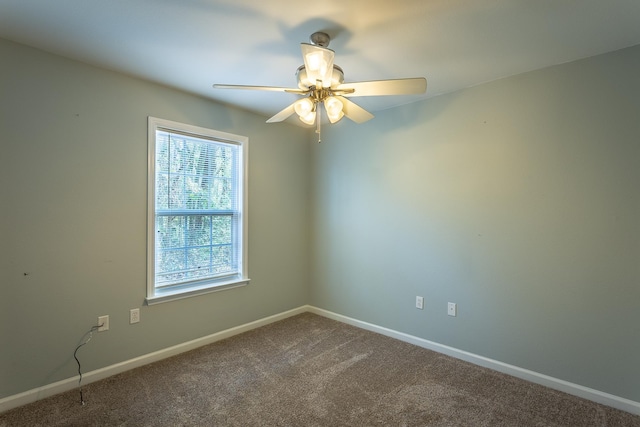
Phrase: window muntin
(197, 197)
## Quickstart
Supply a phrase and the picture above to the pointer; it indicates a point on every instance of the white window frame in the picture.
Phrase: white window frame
(156, 295)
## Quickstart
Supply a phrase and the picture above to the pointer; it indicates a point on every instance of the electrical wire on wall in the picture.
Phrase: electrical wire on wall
(75, 356)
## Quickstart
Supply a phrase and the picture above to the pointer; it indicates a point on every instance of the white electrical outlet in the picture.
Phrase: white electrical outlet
(452, 309)
(134, 315)
(419, 303)
(103, 323)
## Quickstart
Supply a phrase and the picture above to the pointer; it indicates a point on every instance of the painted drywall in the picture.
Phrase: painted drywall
(515, 199)
(518, 200)
(73, 225)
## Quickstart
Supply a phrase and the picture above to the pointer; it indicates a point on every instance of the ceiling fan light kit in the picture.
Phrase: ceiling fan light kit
(322, 83)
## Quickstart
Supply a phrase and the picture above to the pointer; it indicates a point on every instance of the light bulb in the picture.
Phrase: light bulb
(315, 61)
(334, 109)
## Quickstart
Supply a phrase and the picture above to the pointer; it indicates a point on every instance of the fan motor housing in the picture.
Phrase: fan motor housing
(337, 78)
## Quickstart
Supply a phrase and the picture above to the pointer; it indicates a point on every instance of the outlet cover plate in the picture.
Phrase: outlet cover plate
(419, 303)
(104, 321)
(134, 316)
(452, 309)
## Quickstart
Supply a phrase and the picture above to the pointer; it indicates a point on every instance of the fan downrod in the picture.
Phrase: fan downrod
(320, 39)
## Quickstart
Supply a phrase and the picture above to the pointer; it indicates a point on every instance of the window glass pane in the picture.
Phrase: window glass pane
(196, 192)
(221, 226)
(222, 260)
(176, 192)
(162, 190)
(222, 194)
(176, 161)
(198, 230)
(170, 266)
(223, 162)
(162, 152)
(169, 232)
(199, 262)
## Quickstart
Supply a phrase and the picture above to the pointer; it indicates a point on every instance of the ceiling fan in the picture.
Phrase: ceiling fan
(321, 82)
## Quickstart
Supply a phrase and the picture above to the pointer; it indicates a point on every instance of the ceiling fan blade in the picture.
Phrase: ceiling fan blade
(353, 111)
(413, 86)
(282, 115)
(269, 88)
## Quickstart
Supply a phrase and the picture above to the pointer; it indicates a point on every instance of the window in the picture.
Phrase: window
(197, 225)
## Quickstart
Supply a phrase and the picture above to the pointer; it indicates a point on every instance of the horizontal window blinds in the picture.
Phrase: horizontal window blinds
(197, 217)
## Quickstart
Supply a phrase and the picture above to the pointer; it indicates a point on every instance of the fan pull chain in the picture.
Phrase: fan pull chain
(318, 120)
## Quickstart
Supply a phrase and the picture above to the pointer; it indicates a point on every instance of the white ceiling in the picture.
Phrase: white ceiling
(191, 44)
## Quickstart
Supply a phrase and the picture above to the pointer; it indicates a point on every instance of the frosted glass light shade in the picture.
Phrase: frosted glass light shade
(309, 119)
(304, 82)
(306, 111)
(303, 106)
(318, 63)
(334, 109)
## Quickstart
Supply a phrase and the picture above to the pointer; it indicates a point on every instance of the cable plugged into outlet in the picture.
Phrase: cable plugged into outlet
(84, 342)
(419, 302)
(103, 323)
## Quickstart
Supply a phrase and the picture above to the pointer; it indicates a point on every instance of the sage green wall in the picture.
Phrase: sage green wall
(74, 171)
(519, 200)
(516, 199)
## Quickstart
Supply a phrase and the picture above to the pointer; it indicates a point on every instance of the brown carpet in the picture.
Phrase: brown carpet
(311, 371)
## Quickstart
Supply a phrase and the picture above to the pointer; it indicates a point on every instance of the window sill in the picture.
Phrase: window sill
(176, 294)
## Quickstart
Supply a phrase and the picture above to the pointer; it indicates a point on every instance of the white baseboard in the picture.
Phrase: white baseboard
(32, 395)
(525, 374)
(534, 377)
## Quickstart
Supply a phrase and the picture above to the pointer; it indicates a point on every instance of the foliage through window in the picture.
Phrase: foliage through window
(197, 196)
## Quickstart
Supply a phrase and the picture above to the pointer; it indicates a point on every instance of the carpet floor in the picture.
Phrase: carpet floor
(308, 370)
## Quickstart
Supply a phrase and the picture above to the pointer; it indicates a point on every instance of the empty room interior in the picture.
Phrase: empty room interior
(493, 217)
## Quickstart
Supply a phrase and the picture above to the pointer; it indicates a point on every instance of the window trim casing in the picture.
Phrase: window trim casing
(199, 288)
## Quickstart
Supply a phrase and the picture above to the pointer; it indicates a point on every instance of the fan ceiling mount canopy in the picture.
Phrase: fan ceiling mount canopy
(321, 83)
(320, 39)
